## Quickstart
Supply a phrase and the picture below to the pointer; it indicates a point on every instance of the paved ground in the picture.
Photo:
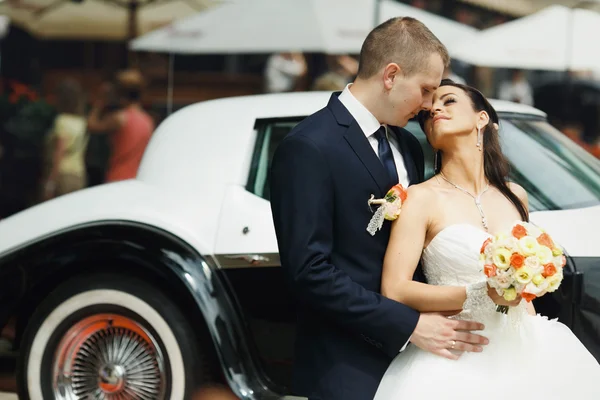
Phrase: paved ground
(8, 396)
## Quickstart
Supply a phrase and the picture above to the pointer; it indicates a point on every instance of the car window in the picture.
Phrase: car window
(270, 134)
(556, 173)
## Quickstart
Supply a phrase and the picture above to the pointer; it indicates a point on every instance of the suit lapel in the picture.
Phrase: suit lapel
(409, 161)
(361, 146)
(359, 143)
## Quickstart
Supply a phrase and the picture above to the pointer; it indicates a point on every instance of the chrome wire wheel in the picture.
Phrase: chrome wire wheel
(108, 357)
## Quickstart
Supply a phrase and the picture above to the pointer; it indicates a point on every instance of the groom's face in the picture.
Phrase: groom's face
(411, 94)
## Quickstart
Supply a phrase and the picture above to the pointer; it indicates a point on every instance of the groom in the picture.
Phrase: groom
(322, 175)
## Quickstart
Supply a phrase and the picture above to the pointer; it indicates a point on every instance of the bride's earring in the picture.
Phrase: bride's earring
(479, 138)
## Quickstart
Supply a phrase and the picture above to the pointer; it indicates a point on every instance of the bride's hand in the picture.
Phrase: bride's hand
(499, 300)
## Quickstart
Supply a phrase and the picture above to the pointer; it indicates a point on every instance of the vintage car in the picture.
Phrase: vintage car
(151, 287)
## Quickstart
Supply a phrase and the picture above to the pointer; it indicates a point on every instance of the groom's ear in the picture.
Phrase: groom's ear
(391, 73)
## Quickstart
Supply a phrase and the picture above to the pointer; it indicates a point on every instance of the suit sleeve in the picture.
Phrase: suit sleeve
(302, 203)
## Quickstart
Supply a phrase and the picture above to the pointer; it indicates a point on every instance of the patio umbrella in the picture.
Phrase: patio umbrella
(267, 26)
(97, 19)
(556, 38)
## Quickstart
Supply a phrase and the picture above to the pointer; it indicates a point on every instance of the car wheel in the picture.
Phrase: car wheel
(108, 337)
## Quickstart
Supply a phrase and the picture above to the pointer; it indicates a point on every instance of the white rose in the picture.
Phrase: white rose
(513, 244)
(533, 263)
(504, 279)
(489, 250)
(509, 243)
(536, 290)
(533, 230)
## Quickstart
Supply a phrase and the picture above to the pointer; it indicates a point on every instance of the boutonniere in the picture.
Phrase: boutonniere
(389, 207)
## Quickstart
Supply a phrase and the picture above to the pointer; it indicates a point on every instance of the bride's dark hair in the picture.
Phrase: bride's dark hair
(495, 164)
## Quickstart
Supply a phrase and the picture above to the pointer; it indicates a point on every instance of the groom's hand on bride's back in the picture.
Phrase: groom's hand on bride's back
(445, 337)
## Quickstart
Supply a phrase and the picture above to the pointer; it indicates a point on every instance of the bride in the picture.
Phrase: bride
(444, 222)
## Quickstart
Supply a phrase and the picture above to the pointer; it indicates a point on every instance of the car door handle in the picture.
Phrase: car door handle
(253, 259)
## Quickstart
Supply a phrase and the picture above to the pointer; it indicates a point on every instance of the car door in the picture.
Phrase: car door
(247, 252)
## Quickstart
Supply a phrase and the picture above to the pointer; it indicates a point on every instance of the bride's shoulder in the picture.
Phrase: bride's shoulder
(518, 191)
(421, 193)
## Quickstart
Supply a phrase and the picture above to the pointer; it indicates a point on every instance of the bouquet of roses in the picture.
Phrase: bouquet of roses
(389, 207)
(524, 262)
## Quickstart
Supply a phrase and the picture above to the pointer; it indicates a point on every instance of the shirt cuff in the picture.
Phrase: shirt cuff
(405, 345)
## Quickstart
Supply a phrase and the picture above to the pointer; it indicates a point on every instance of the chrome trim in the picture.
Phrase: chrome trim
(109, 357)
(259, 260)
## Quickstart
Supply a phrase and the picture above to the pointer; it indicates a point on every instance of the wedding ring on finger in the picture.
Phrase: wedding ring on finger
(452, 344)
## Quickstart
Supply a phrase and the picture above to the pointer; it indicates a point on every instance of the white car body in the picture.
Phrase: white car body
(192, 177)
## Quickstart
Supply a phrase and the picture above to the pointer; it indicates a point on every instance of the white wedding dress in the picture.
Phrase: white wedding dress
(528, 357)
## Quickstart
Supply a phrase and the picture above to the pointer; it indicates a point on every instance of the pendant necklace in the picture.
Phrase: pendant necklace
(476, 198)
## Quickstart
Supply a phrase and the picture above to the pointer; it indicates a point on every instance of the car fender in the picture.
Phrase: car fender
(166, 261)
(128, 201)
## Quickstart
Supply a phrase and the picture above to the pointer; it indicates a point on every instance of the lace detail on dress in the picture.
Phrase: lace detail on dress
(478, 304)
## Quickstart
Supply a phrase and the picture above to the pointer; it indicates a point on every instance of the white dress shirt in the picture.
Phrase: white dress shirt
(369, 125)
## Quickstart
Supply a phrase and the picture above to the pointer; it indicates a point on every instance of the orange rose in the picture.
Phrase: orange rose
(397, 191)
(545, 240)
(489, 270)
(519, 231)
(549, 270)
(487, 241)
(528, 296)
(517, 260)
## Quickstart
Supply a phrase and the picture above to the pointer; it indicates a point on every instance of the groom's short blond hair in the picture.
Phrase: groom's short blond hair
(402, 40)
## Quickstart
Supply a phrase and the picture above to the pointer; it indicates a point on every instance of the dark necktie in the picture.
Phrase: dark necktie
(385, 154)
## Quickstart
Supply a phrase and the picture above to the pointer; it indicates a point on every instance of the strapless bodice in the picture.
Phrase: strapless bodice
(452, 256)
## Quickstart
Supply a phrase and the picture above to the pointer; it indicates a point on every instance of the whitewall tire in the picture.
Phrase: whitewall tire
(108, 338)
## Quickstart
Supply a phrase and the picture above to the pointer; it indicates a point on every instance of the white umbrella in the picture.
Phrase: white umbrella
(97, 19)
(556, 38)
(267, 26)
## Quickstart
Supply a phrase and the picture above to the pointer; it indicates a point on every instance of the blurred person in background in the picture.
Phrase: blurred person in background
(66, 143)
(341, 70)
(517, 89)
(329, 82)
(98, 148)
(129, 127)
(283, 72)
(346, 66)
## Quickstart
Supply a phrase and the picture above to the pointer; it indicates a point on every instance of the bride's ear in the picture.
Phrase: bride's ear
(483, 119)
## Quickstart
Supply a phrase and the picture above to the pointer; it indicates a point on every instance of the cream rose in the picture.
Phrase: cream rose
(510, 294)
(528, 246)
(502, 258)
(544, 254)
(524, 275)
(555, 280)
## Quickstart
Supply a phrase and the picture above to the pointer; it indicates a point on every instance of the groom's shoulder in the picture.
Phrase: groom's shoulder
(315, 128)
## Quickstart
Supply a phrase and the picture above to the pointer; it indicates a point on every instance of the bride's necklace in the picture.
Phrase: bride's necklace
(476, 198)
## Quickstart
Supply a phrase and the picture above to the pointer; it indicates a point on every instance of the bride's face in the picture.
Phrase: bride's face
(451, 114)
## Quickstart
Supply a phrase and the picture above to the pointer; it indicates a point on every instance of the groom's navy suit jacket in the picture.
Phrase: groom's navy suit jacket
(323, 173)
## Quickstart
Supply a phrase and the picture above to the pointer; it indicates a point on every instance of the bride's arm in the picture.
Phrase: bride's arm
(403, 254)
